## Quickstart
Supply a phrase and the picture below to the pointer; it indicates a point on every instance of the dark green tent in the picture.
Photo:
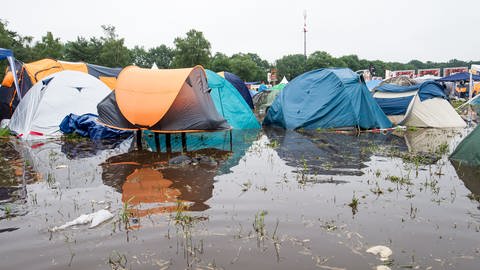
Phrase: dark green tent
(468, 151)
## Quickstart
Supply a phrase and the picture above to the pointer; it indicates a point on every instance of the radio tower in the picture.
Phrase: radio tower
(305, 34)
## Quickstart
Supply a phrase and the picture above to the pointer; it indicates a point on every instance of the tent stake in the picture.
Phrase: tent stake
(184, 142)
(157, 142)
(168, 143)
(139, 139)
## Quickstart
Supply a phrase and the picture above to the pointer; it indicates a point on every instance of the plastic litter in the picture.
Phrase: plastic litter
(383, 251)
(95, 219)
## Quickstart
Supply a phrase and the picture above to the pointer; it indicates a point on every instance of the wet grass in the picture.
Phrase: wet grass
(457, 102)
(4, 132)
(74, 137)
(354, 204)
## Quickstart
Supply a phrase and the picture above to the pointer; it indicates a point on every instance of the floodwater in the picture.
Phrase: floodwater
(276, 199)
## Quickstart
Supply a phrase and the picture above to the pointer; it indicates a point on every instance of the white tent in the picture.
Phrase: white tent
(422, 105)
(154, 66)
(284, 80)
(42, 109)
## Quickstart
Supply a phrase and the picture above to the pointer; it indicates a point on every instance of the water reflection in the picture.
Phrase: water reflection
(151, 184)
(15, 174)
(69, 164)
(470, 175)
(241, 140)
(331, 153)
(428, 140)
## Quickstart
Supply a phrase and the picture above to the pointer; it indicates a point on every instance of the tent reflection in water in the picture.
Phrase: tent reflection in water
(469, 175)
(330, 153)
(150, 185)
(236, 144)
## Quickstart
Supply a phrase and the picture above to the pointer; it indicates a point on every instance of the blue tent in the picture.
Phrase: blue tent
(398, 104)
(239, 85)
(326, 98)
(458, 77)
(230, 104)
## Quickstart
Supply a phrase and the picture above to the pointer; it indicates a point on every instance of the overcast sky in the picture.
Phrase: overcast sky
(400, 30)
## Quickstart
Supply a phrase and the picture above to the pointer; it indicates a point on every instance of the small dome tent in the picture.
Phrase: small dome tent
(420, 105)
(162, 100)
(326, 98)
(230, 104)
(238, 83)
(43, 108)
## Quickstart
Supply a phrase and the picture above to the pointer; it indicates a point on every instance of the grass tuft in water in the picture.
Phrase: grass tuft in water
(354, 204)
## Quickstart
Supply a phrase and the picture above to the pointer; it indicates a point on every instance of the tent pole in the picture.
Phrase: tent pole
(157, 142)
(168, 143)
(11, 61)
(231, 141)
(139, 139)
(184, 142)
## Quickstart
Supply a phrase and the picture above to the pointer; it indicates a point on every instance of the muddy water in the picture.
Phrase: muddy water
(278, 200)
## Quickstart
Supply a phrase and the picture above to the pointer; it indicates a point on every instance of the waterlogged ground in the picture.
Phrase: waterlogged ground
(280, 200)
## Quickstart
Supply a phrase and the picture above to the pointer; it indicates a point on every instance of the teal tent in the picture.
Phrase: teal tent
(326, 98)
(230, 104)
(468, 151)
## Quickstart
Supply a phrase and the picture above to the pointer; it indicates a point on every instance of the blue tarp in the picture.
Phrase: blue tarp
(394, 106)
(230, 104)
(399, 105)
(426, 90)
(458, 77)
(86, 125)
(99, 71)
(326, 98)
(240, 86)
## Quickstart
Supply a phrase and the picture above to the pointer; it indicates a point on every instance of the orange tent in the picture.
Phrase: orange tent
(163, 100)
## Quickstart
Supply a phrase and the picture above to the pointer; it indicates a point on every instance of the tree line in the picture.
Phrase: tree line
(189, 50)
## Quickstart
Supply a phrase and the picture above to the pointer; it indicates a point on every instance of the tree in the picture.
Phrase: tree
(191, 50)
(320, 59)
(113, 52)
(21, 46)
(83, 50)
(161, 55)
(352, 62)
(220, 62)
(49, 47)
(140, 57)
(244, 67)
(290, 66)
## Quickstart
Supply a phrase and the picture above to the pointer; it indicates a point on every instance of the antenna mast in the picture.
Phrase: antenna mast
(305, 34)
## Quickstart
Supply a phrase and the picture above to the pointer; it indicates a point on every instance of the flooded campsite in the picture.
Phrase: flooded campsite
(273, 199)
(335, 135)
